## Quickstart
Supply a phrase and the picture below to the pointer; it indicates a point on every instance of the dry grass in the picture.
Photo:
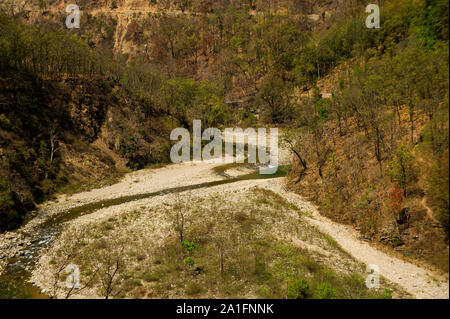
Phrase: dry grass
(248, 244)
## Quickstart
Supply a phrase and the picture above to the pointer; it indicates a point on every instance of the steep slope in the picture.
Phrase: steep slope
(47, 133)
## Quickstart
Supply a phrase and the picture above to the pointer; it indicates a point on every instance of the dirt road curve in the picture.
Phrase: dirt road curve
(419, 282)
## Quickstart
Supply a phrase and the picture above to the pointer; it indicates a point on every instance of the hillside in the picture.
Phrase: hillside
(94, 90)
(363, 114)
(379, 140)
(66, 132)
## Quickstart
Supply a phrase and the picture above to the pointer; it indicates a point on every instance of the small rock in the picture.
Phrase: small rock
(198, 270)
(364, 238)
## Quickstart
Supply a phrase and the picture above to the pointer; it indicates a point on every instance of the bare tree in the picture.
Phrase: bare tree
(289, 139)
(109, 276)
(179, 211)
(68, 251)
(222, 232)
(54, 142)
(66, 255)
(110, 261)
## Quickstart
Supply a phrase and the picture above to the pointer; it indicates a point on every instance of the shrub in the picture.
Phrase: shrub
(298, 289)
(155, 276)
(325, 291)
(387, 294)
(193, 288)
(189, 261)
(322, 106)
(396, 241)
(189, 246)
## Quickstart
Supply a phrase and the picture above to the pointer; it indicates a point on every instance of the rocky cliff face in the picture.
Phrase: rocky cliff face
(125, 26)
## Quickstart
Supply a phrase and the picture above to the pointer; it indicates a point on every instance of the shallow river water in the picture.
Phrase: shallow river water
(14, 280)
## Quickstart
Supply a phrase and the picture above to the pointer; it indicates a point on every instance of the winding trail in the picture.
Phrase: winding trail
(429, 210)
(419, 282)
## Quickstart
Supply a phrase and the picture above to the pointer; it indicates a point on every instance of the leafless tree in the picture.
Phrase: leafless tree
(54, 143)
(179, 211)
(222, 233)
(67, 255)
(289, 139)
(110, 261)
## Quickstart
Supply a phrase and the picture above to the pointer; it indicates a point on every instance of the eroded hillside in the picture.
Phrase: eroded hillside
(363, 111)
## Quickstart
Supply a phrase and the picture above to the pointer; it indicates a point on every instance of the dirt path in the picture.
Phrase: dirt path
(419, 282)
(429, 210)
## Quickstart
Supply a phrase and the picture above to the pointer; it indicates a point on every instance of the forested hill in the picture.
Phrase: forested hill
(76, 105)
(374, 153)
(365, 110)
(66, 122)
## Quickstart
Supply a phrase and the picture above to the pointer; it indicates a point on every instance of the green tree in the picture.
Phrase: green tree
(401, 168)
(274, 94)
(180, 96)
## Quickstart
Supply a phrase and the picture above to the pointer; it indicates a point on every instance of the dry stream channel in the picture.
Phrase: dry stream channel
(14, 279)
(41, 231)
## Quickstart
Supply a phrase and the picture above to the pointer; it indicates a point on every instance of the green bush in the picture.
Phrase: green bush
(322, 106)
(189, 261)
(387, 294)
(189, 246)
(325, 291)
(298, 289)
